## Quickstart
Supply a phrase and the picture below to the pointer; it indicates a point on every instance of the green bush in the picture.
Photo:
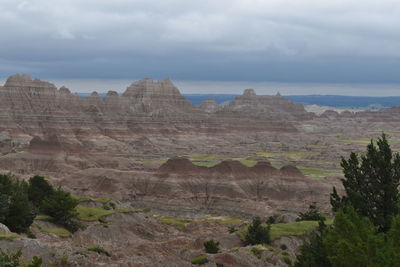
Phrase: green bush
(199, 260)
(257, 233)
(211, 246)
(8, 259)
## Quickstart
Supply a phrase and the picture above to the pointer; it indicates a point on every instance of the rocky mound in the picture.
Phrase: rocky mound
(183, 166)
(179, 165)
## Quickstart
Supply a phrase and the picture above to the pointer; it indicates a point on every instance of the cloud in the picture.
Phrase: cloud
(224, 39)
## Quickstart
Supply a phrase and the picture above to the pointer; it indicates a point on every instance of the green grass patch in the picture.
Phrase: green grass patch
(288, 229)
(202, 157)
(44, 218)
(99, 250)
(294, 156)
(102, 200)
(175, 222)
(207, 164)
(317, 172)
(199, 260)
(212, 160)
(61, 232)
(182, 223)
(294, 228)
(94, 214)
(363, 141)
(9, 236)
(222, 220)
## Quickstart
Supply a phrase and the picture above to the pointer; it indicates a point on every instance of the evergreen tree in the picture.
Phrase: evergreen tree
(257, 233)
(313, 252)
(371, 184)
(21, 212)
(61, 207)
(39, 189)
(347, 243)
(16, 211)
(3, 207)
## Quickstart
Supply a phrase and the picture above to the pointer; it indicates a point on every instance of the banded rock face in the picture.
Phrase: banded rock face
(150, 117)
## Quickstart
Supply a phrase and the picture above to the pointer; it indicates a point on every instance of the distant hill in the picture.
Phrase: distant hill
(321, 100)
(338, 101)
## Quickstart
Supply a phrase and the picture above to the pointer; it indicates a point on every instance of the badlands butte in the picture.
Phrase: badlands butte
(176, 174)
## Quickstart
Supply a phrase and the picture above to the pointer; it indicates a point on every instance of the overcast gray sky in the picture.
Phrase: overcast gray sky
(289, 41)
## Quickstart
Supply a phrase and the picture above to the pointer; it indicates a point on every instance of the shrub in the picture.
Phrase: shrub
(231, 229)
(36, 262)
(257, 233)
(199, 260)
(271, 220)
(312, 214)
(99, 250)
(256, 252)
(10, 259)
(211, 246)
(287, 260)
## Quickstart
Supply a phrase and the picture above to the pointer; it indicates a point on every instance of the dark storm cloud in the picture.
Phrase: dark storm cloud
(270, 40)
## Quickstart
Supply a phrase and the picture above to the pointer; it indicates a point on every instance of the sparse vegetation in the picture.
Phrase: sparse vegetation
(231, 229)
(9, 259)
(286, 259)
(257, 250)
(56, 231)
(9, 236)
(312, 214)
(99, 250)
(199, 260)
